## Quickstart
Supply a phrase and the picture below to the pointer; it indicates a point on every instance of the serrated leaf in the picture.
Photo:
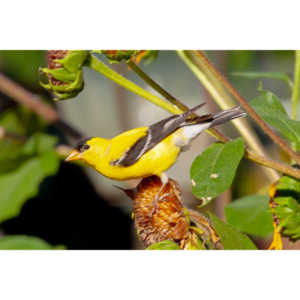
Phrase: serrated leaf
(19, 185)
(231, 238)
(212, 172)
(272, 75)
(270, 109)
(24, 242)
(251, 215)
(164, 245)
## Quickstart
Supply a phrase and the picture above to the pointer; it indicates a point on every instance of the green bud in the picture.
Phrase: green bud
(64, 73)
(116, 56)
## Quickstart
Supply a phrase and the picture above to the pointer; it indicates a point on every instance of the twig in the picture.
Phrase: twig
(11, 136)
(36, 104)
(281, 143)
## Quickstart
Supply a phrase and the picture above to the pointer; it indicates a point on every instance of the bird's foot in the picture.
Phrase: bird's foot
(155, 203)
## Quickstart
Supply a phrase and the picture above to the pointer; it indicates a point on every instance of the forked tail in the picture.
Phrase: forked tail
(227, 115)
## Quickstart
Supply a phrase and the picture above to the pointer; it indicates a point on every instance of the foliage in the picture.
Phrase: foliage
(269, 107)
(287, 206)
(231, 238)
(212, 172)
(24, 242)
(251, 215)
(164, 245)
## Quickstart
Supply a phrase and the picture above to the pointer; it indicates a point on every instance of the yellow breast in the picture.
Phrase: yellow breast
(154, 162)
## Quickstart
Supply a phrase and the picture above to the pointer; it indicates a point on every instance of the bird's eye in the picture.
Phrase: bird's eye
(84, 147)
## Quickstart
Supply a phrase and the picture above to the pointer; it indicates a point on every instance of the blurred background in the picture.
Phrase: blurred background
(75, 206)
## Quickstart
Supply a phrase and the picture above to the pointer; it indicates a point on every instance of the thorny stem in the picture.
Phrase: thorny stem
(277, 140)
(249, 154)
(296, 88)
(36, 104)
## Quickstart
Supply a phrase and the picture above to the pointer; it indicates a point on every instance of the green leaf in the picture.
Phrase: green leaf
(270, 109)
(164, 245)
(39, 143)
(212, 172)
(231, 238)
(272, 75)
(24, 242)
(251, 215)
(21, 184)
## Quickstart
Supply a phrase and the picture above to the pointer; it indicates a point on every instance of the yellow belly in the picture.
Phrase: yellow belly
(154, 162)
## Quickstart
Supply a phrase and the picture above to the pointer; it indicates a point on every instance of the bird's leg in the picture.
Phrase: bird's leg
(164, 179)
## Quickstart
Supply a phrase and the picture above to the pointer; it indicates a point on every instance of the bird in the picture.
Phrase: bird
(149, 150)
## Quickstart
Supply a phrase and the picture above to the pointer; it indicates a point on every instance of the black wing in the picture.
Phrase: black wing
(156, 133)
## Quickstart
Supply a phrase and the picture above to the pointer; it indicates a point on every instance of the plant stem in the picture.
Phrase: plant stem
(281, 167)
(296, 89)
(100, 67)
(156, 86)
(36, 104)
(277, 140)
(249, 154)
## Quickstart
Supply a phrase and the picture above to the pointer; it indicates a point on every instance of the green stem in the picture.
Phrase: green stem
(296, 89)
(156, 86)
(100, 67)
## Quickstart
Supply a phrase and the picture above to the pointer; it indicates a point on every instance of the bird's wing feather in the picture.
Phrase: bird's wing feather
(155, 134)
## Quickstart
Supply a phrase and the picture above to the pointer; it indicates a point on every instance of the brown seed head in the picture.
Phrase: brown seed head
(168, 222)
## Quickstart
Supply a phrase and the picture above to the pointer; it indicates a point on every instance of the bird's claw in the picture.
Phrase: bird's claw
(155, 203)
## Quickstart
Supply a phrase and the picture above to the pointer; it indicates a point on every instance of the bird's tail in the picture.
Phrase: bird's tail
(227, 115)
(194, 126)
(213, 119)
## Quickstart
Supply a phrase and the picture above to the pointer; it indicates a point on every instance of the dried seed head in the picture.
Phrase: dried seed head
(168, 222)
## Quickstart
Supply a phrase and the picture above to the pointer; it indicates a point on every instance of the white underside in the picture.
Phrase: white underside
(189, 133)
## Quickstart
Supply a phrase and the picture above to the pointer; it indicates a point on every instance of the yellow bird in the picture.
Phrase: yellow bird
(146, 151)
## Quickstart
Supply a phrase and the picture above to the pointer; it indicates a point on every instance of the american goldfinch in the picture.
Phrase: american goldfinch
(146, 151)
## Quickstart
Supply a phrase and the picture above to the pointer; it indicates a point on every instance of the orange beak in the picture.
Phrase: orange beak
(74, 155)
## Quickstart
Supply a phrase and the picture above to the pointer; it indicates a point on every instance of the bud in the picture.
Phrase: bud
(64, 72)
(116, 56)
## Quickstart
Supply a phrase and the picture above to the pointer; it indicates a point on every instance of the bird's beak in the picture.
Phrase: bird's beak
(74, 155)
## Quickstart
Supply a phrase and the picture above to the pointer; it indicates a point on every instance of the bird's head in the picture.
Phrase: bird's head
(88, 150)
